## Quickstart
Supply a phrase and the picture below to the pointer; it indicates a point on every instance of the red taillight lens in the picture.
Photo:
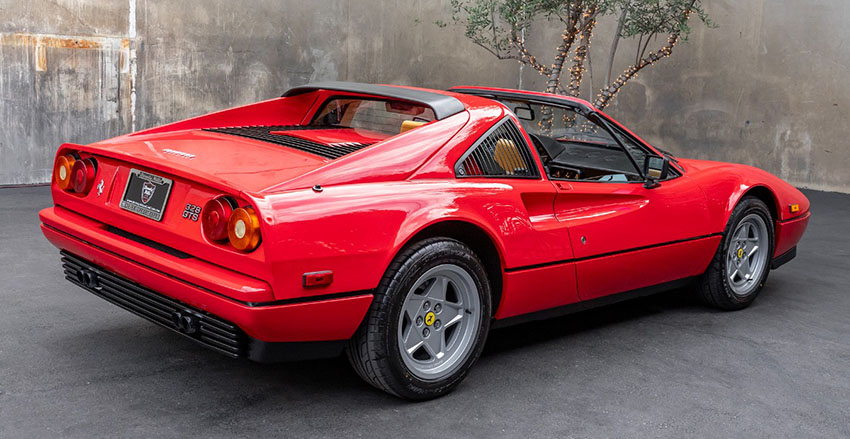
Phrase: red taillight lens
(215, 217)
(82, 175)
(62, 171)
(243, 229)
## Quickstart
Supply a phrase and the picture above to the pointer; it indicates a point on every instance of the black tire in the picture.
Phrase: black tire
(714, 287)
(374, 352)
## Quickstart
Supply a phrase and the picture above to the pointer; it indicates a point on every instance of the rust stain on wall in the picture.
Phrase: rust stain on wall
(41, 42)
(65, 42)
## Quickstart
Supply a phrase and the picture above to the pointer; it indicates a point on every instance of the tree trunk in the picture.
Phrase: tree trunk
(614, 44)
(567, 39)
(554, 79)
(577, 70)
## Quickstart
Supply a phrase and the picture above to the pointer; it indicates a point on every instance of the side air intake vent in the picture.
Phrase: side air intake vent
(271, 134)
(501, 152)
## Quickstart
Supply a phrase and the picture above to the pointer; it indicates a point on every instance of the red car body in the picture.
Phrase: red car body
(548, 245)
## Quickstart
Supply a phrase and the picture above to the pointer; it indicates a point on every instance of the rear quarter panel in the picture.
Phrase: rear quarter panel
(356, 230)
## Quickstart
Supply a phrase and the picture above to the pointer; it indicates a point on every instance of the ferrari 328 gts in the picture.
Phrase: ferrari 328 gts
(399, 225)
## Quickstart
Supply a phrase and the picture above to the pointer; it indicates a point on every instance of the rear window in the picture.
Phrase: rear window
(382, 116)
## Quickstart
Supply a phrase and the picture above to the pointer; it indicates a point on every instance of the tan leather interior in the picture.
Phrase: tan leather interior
(408, 125)
(507, 156)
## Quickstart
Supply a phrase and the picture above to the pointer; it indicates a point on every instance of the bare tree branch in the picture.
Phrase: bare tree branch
(526, 56)
(610, 91)
(615, 42)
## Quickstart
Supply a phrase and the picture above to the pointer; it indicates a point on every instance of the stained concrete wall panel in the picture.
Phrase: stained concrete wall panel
(56, 89)
(399, 42)
(65, 17)
(209, 55)
(768, 87)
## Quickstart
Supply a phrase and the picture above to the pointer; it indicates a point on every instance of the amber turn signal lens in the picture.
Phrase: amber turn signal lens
(62, 171)
(215, 217)
(82, 175)
(243, 229)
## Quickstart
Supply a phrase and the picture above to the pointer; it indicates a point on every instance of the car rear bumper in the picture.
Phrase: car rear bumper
(262, 324)
(201, 327)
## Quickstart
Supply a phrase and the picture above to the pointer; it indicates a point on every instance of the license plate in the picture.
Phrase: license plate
(146, 194)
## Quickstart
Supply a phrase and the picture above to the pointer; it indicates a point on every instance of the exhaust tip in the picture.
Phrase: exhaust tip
(185, 321)
(88, 278)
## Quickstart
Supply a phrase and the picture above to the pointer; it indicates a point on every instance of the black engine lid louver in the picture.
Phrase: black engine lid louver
(264, 133)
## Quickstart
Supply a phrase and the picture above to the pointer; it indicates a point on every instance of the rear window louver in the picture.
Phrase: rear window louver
(501, 152)
(264, 133)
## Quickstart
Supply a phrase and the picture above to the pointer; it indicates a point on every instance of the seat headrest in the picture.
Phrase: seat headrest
(410, 124)
(507, 156)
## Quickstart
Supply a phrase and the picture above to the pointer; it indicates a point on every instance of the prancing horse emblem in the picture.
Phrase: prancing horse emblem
(147, 191)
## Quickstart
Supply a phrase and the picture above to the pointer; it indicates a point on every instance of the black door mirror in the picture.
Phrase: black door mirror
(655, 169)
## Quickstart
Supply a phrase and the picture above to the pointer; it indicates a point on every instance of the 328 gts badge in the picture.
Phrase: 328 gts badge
(192, 212)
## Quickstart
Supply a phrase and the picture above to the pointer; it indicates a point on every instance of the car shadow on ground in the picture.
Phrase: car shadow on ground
(542, 331)
(133, 349)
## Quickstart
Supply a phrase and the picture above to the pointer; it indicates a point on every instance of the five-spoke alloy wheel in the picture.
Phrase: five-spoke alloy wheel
(427, 323)
(438, 322)
(747, 255)
(742, 262)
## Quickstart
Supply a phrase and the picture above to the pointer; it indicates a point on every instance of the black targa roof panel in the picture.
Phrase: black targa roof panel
(443, 105)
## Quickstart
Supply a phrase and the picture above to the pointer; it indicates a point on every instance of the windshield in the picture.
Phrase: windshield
(382, 116)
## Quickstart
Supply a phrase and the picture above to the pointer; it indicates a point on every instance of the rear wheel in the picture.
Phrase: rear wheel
(742, 262)
(427, 323)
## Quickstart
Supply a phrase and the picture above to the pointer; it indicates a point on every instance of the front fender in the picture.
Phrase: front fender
(725, 184)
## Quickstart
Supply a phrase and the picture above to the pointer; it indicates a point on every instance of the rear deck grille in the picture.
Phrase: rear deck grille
(210, 331)
(264, 133)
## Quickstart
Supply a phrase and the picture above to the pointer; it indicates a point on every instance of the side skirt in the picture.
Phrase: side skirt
(594, 303)
(783, 258)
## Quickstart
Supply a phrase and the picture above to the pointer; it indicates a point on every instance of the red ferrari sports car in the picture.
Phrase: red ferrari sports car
(400, 224)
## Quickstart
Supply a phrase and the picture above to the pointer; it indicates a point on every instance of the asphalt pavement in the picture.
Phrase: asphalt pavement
(73, 365)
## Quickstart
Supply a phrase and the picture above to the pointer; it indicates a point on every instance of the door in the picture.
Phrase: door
(627, 237)
(624, 236)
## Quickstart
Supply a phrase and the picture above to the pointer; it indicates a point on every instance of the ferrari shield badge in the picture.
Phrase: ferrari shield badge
(148, 189)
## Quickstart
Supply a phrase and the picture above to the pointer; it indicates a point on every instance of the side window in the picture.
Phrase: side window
(573, 147)
(501, 152)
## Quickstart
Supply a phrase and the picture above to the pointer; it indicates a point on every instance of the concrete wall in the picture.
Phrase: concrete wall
(766, 88)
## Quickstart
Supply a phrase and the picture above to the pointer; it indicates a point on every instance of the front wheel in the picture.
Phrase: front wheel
(740, 267)
(428, 322)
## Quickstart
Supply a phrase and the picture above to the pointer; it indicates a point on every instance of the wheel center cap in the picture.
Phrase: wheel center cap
(430, 318)
(740, 253)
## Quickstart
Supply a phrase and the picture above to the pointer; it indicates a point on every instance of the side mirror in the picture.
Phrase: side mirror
(655, 169)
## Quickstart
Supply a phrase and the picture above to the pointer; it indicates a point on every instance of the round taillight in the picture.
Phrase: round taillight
(243, 229)
(215, 217)
(62, 171)
(82, 175)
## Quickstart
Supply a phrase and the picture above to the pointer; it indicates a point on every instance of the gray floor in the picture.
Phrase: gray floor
(73, 365)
